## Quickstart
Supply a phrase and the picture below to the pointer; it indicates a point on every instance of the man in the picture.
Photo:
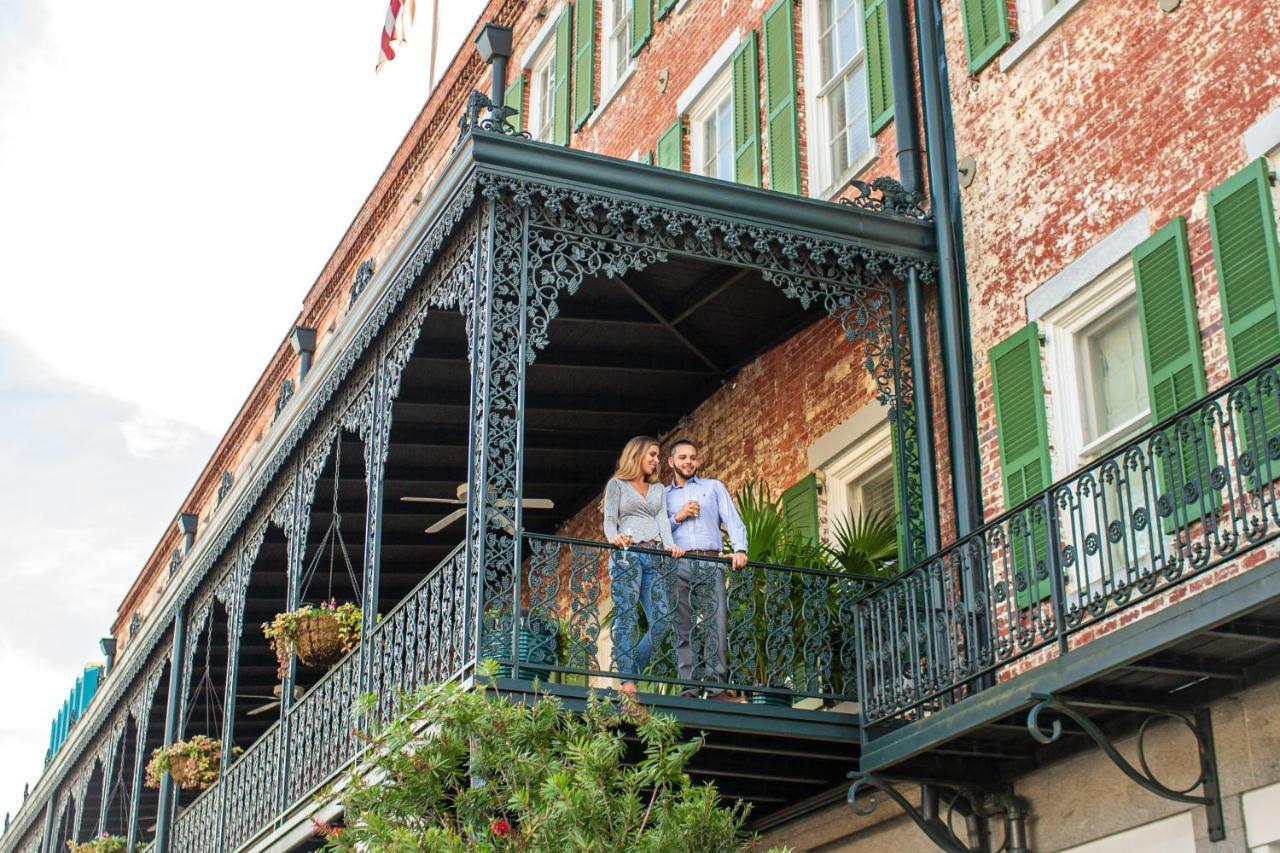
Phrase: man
(699, 507)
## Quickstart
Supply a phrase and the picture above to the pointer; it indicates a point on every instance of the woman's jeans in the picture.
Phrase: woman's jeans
(637, 579)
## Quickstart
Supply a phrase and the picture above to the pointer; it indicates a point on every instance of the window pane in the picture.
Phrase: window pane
(826, 40)
(724, 140)
(1117, 378)
(846, 32)
(877, 493)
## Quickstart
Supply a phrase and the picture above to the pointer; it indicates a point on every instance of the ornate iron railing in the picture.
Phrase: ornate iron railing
(776, 633)
(1196, 490)
(420, 640)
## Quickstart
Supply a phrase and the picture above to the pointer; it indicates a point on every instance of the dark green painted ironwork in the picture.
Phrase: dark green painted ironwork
(1095, 537)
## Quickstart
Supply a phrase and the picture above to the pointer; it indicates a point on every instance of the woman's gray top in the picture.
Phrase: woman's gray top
(645, 518)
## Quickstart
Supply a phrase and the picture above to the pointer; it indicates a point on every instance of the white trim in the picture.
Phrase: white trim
(854, 428)
(1032, 35)
(1062, 328)
(819, 185)
(1263, 137)
(864, 458)
(531, 51)
(612, 93)
(700, 111)
(1085, 269)
(707, 76)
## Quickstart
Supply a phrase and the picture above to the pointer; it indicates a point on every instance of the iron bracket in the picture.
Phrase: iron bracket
(1198, 722)
(937, 830)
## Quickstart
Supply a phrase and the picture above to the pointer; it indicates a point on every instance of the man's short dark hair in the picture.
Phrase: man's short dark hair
(680, 441)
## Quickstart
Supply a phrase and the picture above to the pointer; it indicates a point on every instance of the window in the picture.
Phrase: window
(860, 477)
(542, 85)
(1032, 12)
(711, 131)
(1097, 382)
(616, 61)
(840, 139)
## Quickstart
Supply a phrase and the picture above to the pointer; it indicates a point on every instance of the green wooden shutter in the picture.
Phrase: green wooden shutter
(665, 6)
(1024, 447)
(986, 31)
(1245, 252)
(560, 89)
(647, 158)
(746, 113)
(879, 70)
(1172, 351)
(780, 97)
(584, 60)
(514, 99)
(670, 148)
(800, 503)
(641, 23)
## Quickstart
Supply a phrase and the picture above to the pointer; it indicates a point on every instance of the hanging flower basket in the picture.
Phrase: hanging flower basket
(319, 636)
(193, 763)
(104, 843)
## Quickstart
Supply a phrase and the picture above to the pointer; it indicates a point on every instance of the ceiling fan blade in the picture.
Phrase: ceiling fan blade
(538, 503)
(262, 709)
(415, 499)
(447, 520)
(256, 696)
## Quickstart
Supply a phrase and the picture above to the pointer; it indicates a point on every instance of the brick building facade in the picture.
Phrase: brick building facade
(1099, 143)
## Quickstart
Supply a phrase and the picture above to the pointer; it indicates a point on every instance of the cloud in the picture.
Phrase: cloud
(89, 482)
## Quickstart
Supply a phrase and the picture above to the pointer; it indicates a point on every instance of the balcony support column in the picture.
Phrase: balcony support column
(377, 439)
(46, 835)
(168, 793)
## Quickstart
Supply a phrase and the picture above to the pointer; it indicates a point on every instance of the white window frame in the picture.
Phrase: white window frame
(823, 184)
(609, 83)
(701, 111)
(1064, 328)
(864, 458)
(538, 57)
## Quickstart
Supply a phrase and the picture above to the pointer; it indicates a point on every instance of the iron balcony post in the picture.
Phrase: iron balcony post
(164, 815)
(517, 513)
(293, 595)
(379, 435)
(139, 770)
(1053, 563)
(46, 837)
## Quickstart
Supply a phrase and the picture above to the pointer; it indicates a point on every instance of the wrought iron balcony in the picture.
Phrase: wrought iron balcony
(1191, 493)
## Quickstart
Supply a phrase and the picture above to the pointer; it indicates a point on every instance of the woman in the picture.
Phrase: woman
(635, 513)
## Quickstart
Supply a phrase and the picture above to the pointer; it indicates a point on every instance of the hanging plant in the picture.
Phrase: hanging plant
(104, 843)
(319, 635)
(193, 763)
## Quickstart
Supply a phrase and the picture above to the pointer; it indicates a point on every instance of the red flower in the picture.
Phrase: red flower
(321, 828)
(500, 827)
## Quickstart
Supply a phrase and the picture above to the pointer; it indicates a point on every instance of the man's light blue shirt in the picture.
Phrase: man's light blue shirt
(702, 532)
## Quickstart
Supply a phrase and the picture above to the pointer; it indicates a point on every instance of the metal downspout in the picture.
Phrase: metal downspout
(907, 136)
(953, 316)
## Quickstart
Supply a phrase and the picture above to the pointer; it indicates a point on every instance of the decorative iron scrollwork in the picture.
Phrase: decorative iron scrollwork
(1198, 723)
(936, 830)
(885, 195)
(364, 275)
(497, 121)
(283, 398)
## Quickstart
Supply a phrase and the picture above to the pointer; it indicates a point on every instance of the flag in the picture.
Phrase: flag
(399, 17)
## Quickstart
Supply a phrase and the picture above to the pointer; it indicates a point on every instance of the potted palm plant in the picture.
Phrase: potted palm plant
(320, 635)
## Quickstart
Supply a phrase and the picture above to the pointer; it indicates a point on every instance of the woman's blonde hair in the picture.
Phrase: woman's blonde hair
(629, 461)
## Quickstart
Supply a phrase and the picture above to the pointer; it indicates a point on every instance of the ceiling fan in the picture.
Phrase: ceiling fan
(274, 699)
(461, 502)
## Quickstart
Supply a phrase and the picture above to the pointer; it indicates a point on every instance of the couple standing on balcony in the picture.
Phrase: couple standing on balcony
(682, 517)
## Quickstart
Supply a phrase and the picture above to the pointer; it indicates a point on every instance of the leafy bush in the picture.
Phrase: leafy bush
(470, 770)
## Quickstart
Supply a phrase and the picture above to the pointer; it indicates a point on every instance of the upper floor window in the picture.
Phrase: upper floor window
(1097, 376)
(839, 138)
(711, 131)
(542, 85)
(616, 61)
(1032, 12)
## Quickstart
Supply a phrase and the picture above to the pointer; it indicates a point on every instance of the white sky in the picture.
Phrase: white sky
(173, 176)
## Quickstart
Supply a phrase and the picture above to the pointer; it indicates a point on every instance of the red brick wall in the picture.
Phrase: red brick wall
(1121, 108)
